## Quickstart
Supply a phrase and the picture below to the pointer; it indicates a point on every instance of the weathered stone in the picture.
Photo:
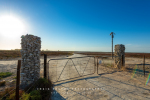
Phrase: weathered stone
(30, 64)
(119, 51)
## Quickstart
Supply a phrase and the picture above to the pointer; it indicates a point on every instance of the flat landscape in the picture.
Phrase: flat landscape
(127, 54)
(107, 83)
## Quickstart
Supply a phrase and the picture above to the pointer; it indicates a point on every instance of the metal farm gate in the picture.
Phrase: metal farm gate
(69, 68)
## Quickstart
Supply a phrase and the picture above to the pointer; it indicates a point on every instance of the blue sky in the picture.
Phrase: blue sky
(82, 25)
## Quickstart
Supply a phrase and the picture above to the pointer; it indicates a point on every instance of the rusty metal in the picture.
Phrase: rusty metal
(18, 79)
(80, 75)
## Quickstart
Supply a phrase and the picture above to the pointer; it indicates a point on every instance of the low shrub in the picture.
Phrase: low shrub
(25, 96)
(35, 95)
(11, 97)
(5, 74)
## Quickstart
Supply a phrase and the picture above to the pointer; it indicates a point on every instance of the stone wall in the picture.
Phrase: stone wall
(119, 51)
(30, 63)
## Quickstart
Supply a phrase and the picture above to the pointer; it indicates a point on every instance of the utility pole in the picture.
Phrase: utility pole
(112, 36)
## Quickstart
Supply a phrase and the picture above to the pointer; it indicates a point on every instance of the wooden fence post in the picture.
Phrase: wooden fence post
(144, 65)
(122, 60)
(97, 65)
(18, 79)
(45, 62)
(94, 61)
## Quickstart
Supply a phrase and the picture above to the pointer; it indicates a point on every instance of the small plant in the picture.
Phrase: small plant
(25, 96)
(2, 83)
(11, 97)
(40, 94)
(5, 74)
(35, 95)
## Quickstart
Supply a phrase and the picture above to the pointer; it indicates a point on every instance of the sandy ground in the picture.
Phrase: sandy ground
(108, 84)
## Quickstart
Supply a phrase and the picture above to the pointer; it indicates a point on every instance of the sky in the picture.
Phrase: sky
(78, 25)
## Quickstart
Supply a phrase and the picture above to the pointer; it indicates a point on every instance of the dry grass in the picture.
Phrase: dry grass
(10, 54)
(135, 55)
(108, 65)
(123, 68)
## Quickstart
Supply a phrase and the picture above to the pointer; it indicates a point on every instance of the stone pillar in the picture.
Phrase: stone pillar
(119, 51)
(30, 63)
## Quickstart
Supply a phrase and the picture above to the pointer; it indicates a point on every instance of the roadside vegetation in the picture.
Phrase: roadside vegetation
(31, 93)
(5, 74)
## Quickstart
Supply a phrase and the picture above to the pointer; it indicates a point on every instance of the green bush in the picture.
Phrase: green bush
(11, 97)
(35, 95)
(25, 96)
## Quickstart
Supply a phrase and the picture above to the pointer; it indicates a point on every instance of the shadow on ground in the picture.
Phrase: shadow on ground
(56, 96)
(100, 75)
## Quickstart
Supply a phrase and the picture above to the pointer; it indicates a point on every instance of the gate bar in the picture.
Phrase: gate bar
(65, 65)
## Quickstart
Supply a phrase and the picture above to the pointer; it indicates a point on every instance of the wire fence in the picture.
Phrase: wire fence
(105, 64)
(136, 66)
